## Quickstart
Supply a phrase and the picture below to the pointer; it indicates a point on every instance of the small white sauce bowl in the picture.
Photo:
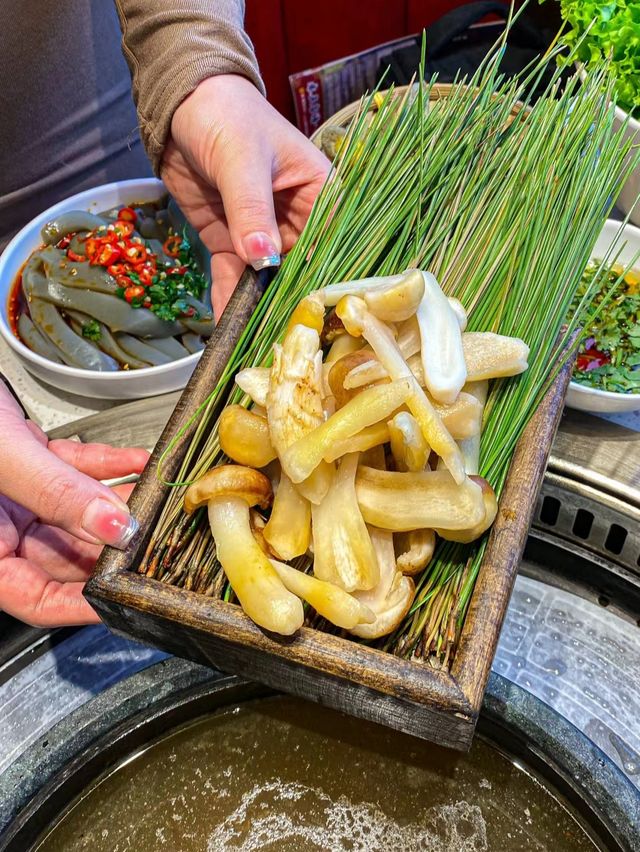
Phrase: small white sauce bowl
(125, 384)
(586, 398)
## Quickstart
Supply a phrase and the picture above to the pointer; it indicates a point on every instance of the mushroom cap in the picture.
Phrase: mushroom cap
(229, 480)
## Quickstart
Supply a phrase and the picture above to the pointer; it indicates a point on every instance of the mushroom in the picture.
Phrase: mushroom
(244, 437)
(288, 531)
(391, 599)
(342, 546)
(408, 446)
(302, 458)
(493, 356)
(474, 531)
(358, 321)
(340, 369)
(486, 355)
(332, 294)
(294, 402)
(414, 550)
(445, 371)
(392, 596)
(366, 439)
(332, 328)
(458, 308)
(308, 312)
(470, 447)
(254, 381)
(398, 301)
(341, 346)
(328, 600)
(229, 491)
(424, 500)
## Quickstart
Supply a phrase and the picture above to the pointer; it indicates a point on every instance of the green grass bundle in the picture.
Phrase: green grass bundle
(502, 200)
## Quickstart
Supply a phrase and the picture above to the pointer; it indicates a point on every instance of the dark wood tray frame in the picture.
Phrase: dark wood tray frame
(412, 697)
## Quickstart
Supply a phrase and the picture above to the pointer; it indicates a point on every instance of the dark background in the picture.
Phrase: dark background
(291, 35)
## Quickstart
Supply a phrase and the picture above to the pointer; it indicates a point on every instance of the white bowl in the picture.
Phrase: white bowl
(133, 384)
(585, 398)
(628, 198)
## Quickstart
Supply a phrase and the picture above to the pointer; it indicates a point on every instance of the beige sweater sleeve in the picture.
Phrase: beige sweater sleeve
(171, 46)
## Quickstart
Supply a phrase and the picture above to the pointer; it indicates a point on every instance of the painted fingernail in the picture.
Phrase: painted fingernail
(108, 523)
(261, 251)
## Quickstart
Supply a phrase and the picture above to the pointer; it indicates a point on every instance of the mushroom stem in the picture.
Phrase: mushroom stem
(328, 600)
(332, 294)
(408, 446)
(342, 546)
(426, 500)
(445, 371)
(294, 403)
(392, 596)
(254, 381)
(288, 531)
(493, 356)
(414, 550)
(366, 439)
(301, 459)
(473, 532)
(255, 582)
(486, 355)
(470, 447)
(358, 320)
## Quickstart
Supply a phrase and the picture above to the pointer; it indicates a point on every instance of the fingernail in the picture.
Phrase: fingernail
(260, 251)
(108, 523)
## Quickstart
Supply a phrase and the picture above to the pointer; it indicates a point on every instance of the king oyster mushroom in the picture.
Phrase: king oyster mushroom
(229, 491)
(244, 437)
(288, 530)
(301, 458)
(393, 594)
(344, 554)
(294, 403)
(328, 600)
(360, 322)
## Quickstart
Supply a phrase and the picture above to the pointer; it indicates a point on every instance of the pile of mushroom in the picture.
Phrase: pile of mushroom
(361, 442)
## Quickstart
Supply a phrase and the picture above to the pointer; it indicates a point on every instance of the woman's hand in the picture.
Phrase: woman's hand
(54, 518)
(243, 176)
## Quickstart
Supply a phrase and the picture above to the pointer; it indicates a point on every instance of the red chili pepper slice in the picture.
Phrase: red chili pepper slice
(64, 242)
(75, 257)
(135, 291)
(145, 275)
(106, 255)
(128, 214)
(135, 253)
(171, 246)
(117, 269)
(591, 359)
(124, 281)
(91, 247)
(122, 228)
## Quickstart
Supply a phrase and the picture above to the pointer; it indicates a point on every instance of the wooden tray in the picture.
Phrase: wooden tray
(410, 696)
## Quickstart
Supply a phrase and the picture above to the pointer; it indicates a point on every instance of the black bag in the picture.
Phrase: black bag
(455, 47)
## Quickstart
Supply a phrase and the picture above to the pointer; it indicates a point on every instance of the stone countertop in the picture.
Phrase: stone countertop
(48, 406)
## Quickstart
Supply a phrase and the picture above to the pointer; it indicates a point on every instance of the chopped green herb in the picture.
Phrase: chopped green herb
(609, 355)
(91, 330)
(172, 284)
